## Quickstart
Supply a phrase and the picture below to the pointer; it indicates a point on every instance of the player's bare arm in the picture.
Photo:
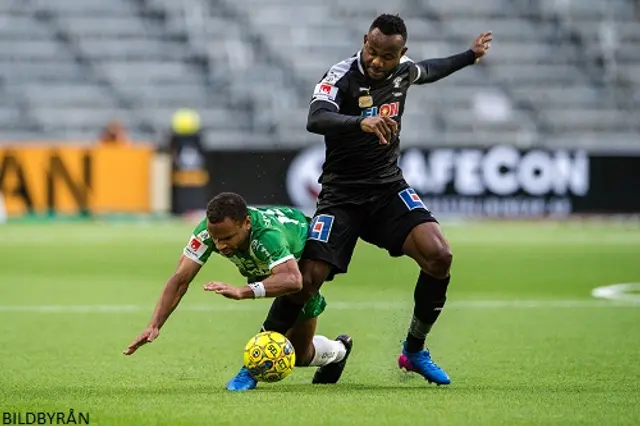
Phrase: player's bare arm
(284, 279)
(432, 70)
(172, 293)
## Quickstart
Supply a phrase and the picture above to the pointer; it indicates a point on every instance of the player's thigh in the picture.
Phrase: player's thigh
(395, 218)
(332, 237)
(427, 245)
(301, 337)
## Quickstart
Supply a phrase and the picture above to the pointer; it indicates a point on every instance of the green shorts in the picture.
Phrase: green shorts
(314, 307)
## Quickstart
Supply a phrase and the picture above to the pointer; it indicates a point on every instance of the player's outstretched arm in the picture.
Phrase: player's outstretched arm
(432, 70)
(172, 293)
(285, 279)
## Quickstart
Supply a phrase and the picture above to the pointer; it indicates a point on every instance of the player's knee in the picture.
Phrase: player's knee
(303, 296)
(439, 263)
(314, 273)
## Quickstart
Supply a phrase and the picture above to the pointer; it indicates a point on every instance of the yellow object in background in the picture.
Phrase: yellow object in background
(185, 121)
(67, 179)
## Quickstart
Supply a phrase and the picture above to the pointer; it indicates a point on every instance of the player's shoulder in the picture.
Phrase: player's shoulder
(406, 69)
(261, 220)
(201, 231)
(406, 64)
(339, 72)
(200, 244)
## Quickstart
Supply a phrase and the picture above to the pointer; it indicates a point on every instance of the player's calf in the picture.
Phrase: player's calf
(428, 247)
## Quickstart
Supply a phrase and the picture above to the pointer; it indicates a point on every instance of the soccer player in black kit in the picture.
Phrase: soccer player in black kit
(357, 106)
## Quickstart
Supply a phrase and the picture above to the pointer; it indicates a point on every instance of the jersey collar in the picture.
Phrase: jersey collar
(359, 60)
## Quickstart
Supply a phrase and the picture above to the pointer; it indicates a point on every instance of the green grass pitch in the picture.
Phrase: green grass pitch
(522, 338)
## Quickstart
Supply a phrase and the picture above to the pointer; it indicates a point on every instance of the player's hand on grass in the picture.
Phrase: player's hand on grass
(147, 336)
(482, 44)
(383, 127)
(224, 289)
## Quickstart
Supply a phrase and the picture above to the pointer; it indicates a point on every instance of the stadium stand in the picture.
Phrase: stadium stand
(561, 72)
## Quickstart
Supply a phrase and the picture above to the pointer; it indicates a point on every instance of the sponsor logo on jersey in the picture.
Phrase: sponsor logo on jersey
(320, 228)
(325, 91)
(258, 247)
(411, 199)
(203, 235)
(365, 101)
(196, 246)
(385, 110)
(250, 267)
(326, 88)
(330, 78)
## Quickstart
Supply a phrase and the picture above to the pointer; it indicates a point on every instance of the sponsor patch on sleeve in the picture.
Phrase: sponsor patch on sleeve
(325, 91)
(196, 247)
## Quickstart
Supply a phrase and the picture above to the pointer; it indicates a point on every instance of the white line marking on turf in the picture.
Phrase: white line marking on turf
(618, 292)
(379, 306)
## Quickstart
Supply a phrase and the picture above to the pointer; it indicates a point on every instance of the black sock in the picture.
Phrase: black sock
(429, 298)
(282, 316)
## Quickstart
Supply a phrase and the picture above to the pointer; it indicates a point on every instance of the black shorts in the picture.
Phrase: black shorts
(385, 222)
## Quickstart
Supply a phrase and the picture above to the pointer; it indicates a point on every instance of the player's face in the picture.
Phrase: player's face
(230, 236)
(381, 53)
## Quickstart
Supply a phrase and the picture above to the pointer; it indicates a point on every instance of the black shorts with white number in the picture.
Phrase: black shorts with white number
(385, 222)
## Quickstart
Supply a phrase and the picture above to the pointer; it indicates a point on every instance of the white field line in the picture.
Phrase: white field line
(376, 306)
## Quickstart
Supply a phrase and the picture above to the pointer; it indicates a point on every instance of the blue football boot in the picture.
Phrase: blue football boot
(243, 381)
(421, 363)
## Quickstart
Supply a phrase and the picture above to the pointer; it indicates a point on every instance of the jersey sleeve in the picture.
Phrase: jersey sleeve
(432, 70)
(272, 248)
(416, 73)
(327, 93)
(200, 246)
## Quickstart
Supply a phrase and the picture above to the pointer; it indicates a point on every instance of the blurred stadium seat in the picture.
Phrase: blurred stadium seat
(560, 72)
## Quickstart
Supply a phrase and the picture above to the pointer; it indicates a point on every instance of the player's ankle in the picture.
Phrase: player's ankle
(414, 344)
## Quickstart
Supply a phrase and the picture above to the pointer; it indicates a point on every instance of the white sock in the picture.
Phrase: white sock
(327, 351)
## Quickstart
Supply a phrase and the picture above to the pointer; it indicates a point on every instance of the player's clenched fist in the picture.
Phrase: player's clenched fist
(147, 336)
(383, 127)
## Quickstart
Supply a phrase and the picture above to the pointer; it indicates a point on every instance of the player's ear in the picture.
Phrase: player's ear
(404, 51)
(364, 41)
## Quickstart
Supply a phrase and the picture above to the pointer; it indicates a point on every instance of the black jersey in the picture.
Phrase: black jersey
(356, 164)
